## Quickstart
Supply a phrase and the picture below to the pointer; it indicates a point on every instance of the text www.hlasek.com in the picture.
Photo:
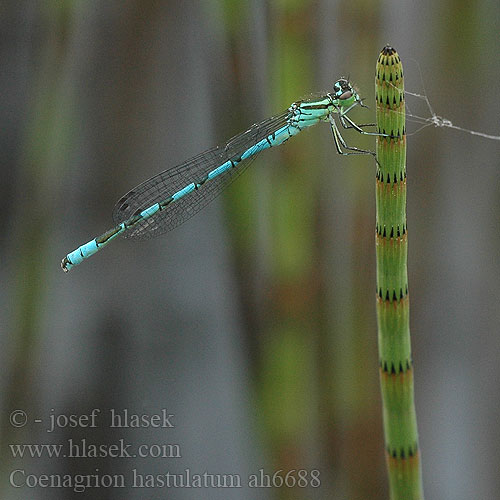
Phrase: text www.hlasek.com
(83, 449)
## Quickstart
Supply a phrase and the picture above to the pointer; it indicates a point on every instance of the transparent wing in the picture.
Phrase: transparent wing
(168, 182)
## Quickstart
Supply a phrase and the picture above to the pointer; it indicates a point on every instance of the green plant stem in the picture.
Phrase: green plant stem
(396, 367)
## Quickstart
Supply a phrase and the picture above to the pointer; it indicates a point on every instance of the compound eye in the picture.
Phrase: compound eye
(346, 95)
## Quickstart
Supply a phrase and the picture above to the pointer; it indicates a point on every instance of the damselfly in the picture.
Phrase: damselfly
(171, 197)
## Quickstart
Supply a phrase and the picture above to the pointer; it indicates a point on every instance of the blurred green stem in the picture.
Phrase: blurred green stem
(396, 369)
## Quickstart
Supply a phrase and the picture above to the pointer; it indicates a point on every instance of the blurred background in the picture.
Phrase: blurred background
(253, 324)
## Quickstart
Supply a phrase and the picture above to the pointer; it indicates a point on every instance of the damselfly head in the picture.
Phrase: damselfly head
(344, 92)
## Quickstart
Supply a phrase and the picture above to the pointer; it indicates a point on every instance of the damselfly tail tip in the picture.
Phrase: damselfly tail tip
(64, 264)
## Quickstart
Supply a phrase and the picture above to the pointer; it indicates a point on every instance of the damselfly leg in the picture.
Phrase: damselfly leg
(347, 123)
(340, 143)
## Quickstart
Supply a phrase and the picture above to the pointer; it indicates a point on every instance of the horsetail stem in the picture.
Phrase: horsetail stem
(396, 367)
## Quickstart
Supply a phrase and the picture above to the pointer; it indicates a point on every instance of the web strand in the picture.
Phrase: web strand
(436, 120)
